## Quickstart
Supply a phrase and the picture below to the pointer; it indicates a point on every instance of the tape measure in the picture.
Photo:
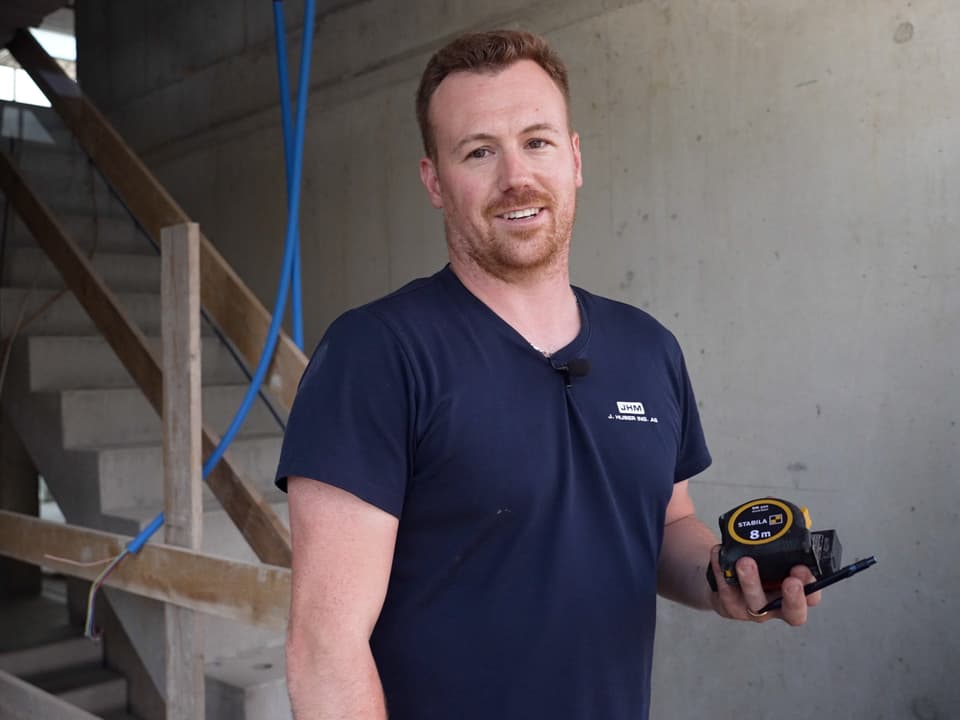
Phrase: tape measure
(777, 535)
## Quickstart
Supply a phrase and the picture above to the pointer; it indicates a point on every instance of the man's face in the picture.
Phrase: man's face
(507, 170)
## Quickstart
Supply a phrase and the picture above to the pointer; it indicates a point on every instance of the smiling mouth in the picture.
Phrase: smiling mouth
(521, 214)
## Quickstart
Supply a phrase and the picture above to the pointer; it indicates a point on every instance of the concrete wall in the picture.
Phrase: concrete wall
(779, 182)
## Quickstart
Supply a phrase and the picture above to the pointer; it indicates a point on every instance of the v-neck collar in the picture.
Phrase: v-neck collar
(569, 351)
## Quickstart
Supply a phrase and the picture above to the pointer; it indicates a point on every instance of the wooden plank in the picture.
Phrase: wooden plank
(226, 298)
(248, 593)
(22, 701)
(252, 515)
(182, 469)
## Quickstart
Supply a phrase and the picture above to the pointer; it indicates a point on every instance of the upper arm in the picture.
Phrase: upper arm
(342, 555)
(681, 504)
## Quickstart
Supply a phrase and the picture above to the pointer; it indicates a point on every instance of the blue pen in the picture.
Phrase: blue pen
(841, 574)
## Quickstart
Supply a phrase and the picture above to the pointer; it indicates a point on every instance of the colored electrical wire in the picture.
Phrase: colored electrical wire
(76, 563)
(132, 548)
(90, 629)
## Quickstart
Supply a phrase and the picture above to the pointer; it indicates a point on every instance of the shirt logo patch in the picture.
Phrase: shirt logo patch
(631, 412)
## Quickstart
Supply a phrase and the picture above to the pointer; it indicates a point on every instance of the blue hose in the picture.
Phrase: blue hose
(288, 149)
(290, 266)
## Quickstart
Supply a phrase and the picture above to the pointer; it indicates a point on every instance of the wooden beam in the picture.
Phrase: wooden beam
(182, 468)
(226, 298)
(20, 700)
(252, 515)
(252, 594)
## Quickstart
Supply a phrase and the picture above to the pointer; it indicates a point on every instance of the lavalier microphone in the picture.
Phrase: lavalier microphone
(575, 367)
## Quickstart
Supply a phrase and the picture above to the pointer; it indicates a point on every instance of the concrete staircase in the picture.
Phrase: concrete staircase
(96, 440)
(72, 670)
(39, 646)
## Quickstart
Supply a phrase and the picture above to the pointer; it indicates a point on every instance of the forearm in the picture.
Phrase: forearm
(342, 554)
(684, 557)
(333, 684)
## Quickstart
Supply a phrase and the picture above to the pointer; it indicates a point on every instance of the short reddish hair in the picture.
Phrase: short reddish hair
(484, 52)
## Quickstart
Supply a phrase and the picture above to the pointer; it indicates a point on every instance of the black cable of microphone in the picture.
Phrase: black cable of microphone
(575, 367)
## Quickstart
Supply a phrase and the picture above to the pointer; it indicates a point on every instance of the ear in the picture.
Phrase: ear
(578, 165)
(431, 181)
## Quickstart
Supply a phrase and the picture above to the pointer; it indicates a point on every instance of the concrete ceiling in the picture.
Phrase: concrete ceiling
(15, 14)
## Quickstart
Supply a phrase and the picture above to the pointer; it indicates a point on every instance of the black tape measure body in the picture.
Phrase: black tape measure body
(776, 533)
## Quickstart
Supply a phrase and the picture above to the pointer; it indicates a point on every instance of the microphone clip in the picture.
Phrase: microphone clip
(575, 367)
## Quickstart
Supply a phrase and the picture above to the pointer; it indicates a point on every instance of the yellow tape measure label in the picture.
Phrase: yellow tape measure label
(760, 521)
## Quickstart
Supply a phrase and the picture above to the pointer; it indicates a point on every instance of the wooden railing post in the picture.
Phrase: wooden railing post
(182, 441)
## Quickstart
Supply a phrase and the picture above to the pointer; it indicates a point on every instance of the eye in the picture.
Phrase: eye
(537, 144)
(478, 153)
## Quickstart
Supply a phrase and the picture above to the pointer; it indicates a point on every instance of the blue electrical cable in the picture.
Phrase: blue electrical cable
(303, 86)
(290, 243)
(290, 252)
(279, 26)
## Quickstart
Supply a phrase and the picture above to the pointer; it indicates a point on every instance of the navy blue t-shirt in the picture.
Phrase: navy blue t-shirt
(531, 512)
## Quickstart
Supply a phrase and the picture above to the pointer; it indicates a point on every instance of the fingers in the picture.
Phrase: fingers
(730, 601)
(806, 576)
(795, 605)
(754, 596)
(726, 599)
(741, 603)
(794, 608)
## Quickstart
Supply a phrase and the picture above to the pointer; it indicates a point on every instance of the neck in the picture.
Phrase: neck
(542, 307)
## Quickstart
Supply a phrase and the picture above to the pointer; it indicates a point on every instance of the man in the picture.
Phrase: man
(488, 468)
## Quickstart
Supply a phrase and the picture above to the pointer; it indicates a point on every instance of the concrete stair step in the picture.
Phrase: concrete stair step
(67, 317)
(70, 474)
(93, 363)
(244, 665)
(29, 266)
(133, 476)
(47, 163)
(50, 657)
(105, 234)
(248, 685)
(32, 621)
(220, 536)
(89, 686)
(31, 124)
(80, 195)
(65, 178)
(40, 646)
(122, 416)
(118, 715)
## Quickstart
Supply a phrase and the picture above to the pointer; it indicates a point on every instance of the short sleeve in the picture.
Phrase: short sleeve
(351, 421)
(693, 457)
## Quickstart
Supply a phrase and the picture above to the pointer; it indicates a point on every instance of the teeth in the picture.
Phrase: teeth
(517, 214)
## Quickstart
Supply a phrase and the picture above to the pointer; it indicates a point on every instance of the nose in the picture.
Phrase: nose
(514, 171)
